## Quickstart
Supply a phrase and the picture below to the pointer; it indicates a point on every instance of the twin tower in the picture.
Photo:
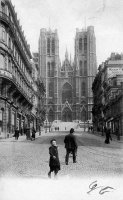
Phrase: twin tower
(68, 85)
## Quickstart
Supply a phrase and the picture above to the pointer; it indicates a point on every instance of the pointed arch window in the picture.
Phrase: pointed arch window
(48, 68)
(85, 67)
(80, 44)
(53, 46)
(52, 69)
(51, 89)
(85, 44)
(48, 45)
(67, 93)
(83, 89)
(81, 68)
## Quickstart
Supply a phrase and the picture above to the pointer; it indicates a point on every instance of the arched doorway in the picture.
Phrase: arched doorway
(67, 115)
(67, 93)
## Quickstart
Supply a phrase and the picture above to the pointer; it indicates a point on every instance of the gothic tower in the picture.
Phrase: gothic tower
(68, 85)
(85, 71)
(48, 64)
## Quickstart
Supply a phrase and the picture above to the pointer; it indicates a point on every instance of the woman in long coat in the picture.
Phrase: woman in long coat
(54, 162)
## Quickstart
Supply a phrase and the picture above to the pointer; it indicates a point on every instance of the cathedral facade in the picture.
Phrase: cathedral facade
(68, 85)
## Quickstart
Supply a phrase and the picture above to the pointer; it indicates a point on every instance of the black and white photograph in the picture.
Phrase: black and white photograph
(61, 100)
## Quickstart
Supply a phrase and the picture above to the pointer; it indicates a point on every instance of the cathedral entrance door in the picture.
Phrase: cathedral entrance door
(67, 115)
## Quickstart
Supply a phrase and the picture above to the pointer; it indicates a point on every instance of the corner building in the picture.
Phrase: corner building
(15, 73)
(68, 85)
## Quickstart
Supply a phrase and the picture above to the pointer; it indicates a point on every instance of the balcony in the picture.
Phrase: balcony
(8, 76)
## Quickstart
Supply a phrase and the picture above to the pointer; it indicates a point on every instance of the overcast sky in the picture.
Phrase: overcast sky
(66, 15)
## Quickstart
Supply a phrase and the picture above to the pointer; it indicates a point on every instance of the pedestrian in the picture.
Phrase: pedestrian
(91, 128)
(71, 146)
(54, 162)
(108, 135)
(33, 133)
(16, 133)
(117, 133)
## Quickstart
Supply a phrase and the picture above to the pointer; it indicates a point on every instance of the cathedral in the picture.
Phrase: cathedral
(68, 85)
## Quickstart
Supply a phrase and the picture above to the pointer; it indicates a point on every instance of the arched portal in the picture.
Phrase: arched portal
(67, 93)
(67, 115)
(51, 116)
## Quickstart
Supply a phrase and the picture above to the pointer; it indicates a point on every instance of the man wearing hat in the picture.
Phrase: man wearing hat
(71, 146)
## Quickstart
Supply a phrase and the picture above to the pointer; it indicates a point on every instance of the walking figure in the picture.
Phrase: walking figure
(71, 146)
(54, 162)
(33, 133)
(16, 134)
(108, 136)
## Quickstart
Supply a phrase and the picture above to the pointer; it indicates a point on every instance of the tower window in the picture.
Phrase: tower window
(51, 89)
(81, 68)
(85, 67)
(48, 45)
(48, 67)
(85, 44)
(53, 46)
(83, 89)
(80, 44)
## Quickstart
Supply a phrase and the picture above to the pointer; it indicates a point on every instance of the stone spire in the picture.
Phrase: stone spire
(66, 54)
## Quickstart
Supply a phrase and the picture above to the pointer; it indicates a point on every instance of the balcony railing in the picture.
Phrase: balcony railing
(15, 81)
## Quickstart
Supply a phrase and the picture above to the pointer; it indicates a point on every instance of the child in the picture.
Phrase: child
(54, 162)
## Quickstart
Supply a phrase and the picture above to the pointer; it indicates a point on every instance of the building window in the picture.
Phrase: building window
(48, 68)
(80, 44)
(52, 69)
(81, 68)
(85, 45)
(51, 89)
(3, 35)
(2, 61)
(53, 46)
(9, 42)
(67, 93)
(83, 89)
(85, 67)
(48, 45)
(9, 65)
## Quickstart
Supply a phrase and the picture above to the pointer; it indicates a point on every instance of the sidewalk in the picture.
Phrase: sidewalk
(100, 135)
(21, 137)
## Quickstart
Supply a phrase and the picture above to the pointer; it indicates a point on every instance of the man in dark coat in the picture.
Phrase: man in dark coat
(54, 162)
(16, 134)
(33, 133)
(108, 135)
(71, 146)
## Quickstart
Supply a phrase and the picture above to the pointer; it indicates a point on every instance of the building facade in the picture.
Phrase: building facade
(38, 94)
(68, 85)
(17, 85)
(108, 95)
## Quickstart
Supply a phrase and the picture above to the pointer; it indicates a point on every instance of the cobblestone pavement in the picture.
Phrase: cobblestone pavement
(24, 158)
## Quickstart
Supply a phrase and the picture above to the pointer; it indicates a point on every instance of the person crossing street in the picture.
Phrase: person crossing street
(71, 146)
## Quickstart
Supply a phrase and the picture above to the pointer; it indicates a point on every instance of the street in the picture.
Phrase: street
(24, 168)
(24, 158)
